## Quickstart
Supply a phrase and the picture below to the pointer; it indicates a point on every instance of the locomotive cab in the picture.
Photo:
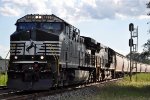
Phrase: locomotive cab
(37, 31)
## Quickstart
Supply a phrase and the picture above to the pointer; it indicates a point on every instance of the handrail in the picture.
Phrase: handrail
(5, 60)
(57, 62)
(6, 66)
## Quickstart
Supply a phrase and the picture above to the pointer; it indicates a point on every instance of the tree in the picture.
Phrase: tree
(148, 6)
(140, 57)
(134, 56)
(1, 57)
(147, 46)
(145, 55)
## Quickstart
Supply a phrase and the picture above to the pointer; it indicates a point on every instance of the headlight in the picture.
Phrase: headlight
(42, 57)
(30, 68)
(16, 57)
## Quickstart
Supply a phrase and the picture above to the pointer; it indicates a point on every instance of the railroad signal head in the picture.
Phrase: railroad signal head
(131, 27)
(130, 42)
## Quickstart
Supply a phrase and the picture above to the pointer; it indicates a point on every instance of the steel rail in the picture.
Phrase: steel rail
(21, 95)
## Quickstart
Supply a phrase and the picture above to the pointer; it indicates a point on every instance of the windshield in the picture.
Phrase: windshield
(52, 27)
(26, 26)
(55, 27)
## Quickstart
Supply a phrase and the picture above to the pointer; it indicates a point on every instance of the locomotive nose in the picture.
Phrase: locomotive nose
(46, 36)
(32, 73)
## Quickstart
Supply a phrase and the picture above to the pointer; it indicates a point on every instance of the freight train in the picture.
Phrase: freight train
(47, 52)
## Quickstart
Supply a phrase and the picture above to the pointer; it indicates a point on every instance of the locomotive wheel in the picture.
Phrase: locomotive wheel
(61, 79)
(112, 74)
(91, 76)
(99, 77)
(103, 75)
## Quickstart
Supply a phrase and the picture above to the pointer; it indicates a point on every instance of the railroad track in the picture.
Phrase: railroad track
(8, 93)
(3, 87)
(22, 95)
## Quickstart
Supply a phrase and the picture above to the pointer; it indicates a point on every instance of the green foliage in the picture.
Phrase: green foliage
(140, 57)
(3, 79)
(125, 90)
(143, 57)
(1, 57)
(141, 77)
(134, 56)
(147, 45)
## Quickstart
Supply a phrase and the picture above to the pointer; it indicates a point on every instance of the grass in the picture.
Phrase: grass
(138, 89)
(3, 79)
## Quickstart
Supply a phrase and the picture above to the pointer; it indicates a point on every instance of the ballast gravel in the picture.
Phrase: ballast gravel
(86, 93)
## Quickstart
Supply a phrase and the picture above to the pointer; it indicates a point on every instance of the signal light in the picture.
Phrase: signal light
(130, 42)
(131, 27)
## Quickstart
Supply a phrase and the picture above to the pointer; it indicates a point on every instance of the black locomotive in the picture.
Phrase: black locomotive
(46, 52)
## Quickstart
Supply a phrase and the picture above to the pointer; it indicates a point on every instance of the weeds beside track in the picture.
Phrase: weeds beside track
(138, 89)
(3, 79)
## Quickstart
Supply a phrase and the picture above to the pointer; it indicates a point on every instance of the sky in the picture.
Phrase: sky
(106, 21)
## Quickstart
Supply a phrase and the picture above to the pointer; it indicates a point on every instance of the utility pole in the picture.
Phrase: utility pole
(131, 29)
(133, 47)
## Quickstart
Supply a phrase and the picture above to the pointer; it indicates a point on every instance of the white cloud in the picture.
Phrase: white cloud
(144, 17)
(76, 10)
(17, 2)
(17, 7)
(9, 11)
(89, 2)
(37, 6)
(120, 16)
(132, 8)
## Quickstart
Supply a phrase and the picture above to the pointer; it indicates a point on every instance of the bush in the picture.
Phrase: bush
(3, 79)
